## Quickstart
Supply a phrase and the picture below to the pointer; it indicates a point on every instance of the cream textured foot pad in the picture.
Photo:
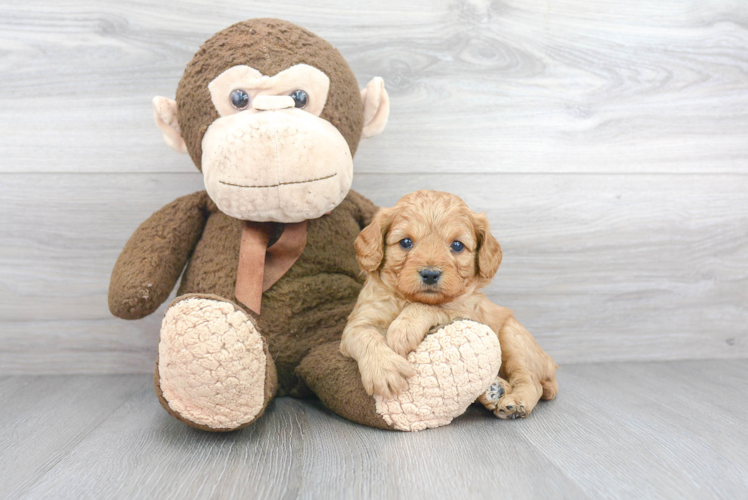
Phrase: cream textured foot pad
(454, 366)
(211, 363)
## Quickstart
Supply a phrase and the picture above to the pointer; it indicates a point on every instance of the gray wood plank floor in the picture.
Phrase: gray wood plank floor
(623, 430)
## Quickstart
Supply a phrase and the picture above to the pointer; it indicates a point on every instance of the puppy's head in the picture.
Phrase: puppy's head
(430, 247)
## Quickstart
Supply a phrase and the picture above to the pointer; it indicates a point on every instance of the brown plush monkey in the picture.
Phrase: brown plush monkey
(272, 116)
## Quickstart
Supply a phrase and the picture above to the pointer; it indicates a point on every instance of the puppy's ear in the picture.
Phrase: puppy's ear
(370, 241)
(489, 250)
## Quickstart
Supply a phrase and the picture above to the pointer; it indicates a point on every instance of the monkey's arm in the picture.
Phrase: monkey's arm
(155, 255)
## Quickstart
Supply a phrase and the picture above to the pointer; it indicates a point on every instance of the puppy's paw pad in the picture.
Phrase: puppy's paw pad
(490, 399)
(509, 408)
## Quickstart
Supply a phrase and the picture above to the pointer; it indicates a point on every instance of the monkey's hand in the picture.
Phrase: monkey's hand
(384, 372)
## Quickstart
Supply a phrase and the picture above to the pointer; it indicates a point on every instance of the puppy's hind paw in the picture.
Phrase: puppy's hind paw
(510, 408)
(490, 398)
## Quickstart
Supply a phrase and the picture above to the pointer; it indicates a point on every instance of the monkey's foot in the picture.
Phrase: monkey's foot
(454, 366)
(214, 371)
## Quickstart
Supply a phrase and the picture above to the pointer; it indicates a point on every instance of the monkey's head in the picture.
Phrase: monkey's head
(272, 116)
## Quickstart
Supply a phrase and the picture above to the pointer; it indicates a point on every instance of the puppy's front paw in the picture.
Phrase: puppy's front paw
(385, 373)
(404, 336)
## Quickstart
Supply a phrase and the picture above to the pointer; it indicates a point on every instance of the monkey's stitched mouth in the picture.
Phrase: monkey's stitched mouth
(280, 183)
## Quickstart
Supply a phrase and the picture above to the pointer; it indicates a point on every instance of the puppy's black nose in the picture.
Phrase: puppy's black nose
(430, 275)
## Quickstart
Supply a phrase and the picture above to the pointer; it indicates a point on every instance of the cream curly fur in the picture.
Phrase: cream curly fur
(396, 309)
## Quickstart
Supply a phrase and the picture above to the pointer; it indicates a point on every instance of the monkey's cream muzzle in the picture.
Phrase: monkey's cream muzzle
(265, 160)
(275, 163)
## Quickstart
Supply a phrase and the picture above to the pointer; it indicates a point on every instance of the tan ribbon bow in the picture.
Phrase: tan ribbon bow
(260, 265)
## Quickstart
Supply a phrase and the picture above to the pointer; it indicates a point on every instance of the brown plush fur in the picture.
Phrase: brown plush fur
(307, 307)
(396, 300)
(339, 386)
(154, 257)
(269, 46)
(303, 313)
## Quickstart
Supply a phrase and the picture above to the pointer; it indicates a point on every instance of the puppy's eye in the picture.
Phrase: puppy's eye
(406, 243)
(457, 246)
(239, 99)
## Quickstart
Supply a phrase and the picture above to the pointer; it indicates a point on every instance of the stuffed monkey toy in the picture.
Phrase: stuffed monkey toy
(272, 115)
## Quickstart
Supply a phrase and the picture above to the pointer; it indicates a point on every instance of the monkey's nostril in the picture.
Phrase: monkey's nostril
(430, 276)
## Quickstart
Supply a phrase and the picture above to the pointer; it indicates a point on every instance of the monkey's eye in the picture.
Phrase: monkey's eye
(406, 243)
(239, 99)
(300, 98)
(457, 246)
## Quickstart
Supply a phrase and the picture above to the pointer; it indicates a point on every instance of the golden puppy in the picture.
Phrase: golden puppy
(426, 260)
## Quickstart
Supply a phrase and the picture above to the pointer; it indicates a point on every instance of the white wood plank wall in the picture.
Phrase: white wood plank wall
(607, 140)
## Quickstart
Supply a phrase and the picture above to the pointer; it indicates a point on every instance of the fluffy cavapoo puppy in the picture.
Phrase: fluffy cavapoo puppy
(426, 259)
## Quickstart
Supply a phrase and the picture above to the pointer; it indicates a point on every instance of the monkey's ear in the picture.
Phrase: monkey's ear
(370, 242)
(165, 115)
(376, 107)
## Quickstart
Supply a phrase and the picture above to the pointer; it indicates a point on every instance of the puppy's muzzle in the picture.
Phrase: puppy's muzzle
(430, 275)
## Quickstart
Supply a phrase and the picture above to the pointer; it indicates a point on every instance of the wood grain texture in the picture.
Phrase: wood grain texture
(629, 430)
(679, 430)
(476, 86)
(43, 418)
(598, 267)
